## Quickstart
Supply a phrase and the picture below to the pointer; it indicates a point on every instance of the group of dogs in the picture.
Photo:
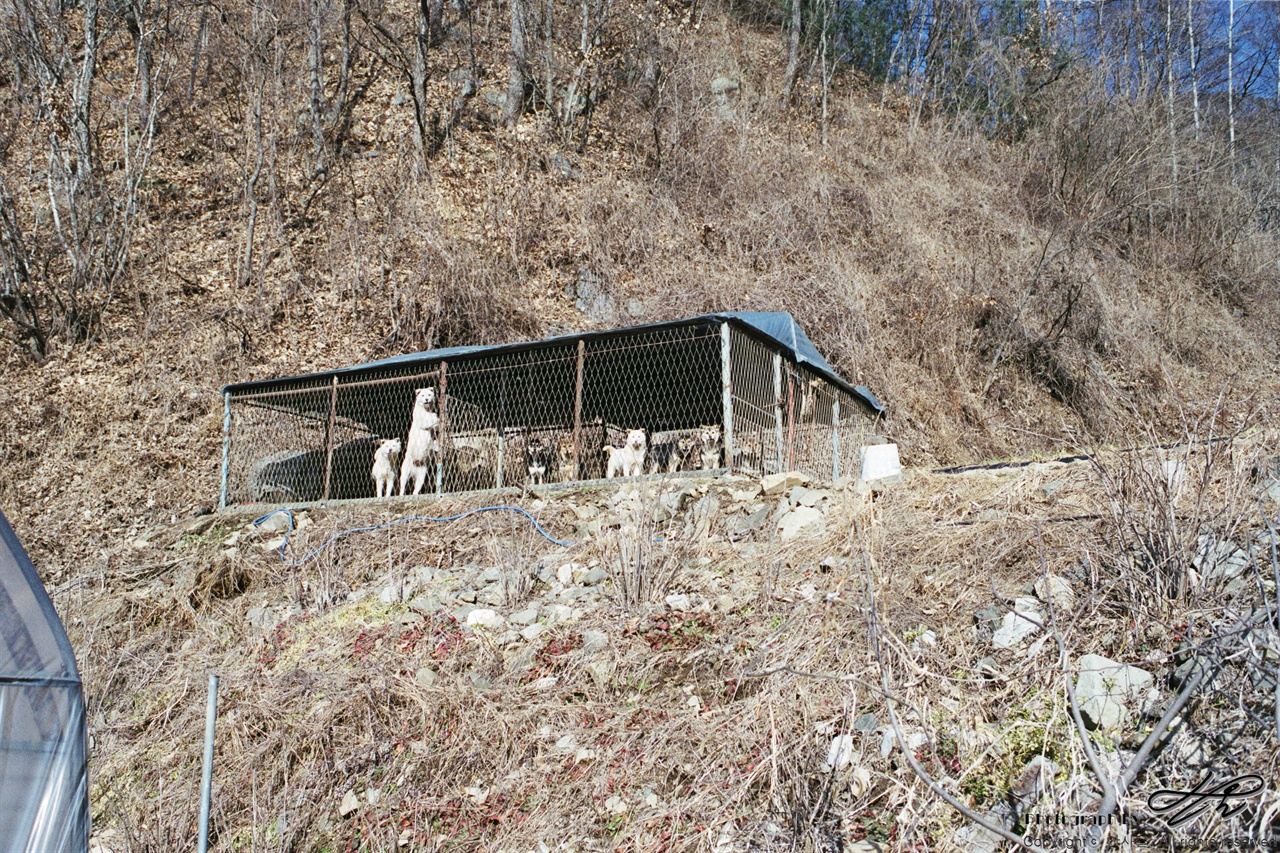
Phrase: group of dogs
(546, 460)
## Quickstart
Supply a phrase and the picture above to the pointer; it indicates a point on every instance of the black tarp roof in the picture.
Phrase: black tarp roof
(777, 327)
(44, 803)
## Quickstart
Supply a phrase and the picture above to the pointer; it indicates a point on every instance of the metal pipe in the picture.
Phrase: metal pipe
(226, 446)
(206, 784)
(726, 390)
(442, 403)
(777, 412)
(835, 440)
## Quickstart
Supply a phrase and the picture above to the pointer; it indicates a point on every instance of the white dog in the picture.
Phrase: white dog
(384, 467)
(421, 443)
(628, 460)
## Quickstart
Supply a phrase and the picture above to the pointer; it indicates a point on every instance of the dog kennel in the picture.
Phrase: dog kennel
(753, 377)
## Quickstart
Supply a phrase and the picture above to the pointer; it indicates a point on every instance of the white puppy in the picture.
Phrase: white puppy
(627, 460)
(421, 443)
(709, 440)
(384, 467)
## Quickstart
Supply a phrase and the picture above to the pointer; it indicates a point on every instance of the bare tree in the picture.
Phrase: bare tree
(519, 61)
(793, 53)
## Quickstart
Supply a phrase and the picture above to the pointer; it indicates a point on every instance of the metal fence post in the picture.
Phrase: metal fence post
(444, 412)
(726, 391)
(206, 781)
(791, 421)
(328, 436)
(577, 409)
(835, 440)
(226, 447)
(777, 411)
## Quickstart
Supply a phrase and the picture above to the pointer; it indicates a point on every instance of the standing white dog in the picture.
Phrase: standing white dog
(421, 443)
(384, 467)
(627, 460)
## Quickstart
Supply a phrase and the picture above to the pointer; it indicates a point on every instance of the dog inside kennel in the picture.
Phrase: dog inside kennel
(746, 392)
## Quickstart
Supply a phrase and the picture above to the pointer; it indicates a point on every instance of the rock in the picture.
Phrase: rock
(544, 684)
(840, 753)
(776, 484)
(490, 576)
(594, 641)
(595, 576)
(1058, 592)
(1015, 627)
(1272, 491)
(564, 574)
(276, 523)
(1104, 688)
(491, 595)
(809, 497)
(555, 613)
(349, 804)
(914, 740)
(426, 677)
(593, 299)
(485, 618)
(723, 85)
(800, 519)
(532, 632)
(495, 98)
(425, 604)
(510, 638)
(746, 494)
(989, 615)
(463, 612)
(525, 617)
(1219, 560)
(977, 839)
(678, 601)
(263, 618)
(830, 563)
(1049, 489)
(752, 522)
(866, 723)
(1188, 670)
(561, 167)
(865, 845)
(879, 462)
(467, 595)
(925, 641)
(987, 668)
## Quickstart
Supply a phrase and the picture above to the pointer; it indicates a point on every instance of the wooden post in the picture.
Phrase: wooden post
(726, 393)
(777, 413)
(577, 411)
(791, 421)
(835, 439)
(440, 430)
(226, 446)
(328, 436)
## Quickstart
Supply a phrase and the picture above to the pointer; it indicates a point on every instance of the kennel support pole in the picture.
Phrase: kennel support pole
(226, 447)
(835, 440)
(777, 410)
(791, 421)
(444, 411)
(577, 407)
(328, 436)
(726, 393)
(206, 781)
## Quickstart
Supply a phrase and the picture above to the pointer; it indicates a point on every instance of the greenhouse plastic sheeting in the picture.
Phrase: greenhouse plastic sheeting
(44, 803)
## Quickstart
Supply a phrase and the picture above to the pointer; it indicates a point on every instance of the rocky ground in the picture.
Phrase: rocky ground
(709, 664)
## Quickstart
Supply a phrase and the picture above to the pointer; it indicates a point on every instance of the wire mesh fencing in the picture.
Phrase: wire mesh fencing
(655, 401)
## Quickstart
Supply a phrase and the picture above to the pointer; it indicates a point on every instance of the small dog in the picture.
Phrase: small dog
(384, 467)
(421, 443)
(709, 446)
(564, 455)
(673, 454)
(627, 460)
(539, 459)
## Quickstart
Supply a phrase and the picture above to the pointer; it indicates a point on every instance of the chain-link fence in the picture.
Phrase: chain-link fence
(706, 395)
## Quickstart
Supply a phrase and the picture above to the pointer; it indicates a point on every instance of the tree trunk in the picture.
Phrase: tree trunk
(519, 62)
(793, 54)
(418, 73)
(82, 96)
(1231, 93)
(315, 67)
(1195, 80)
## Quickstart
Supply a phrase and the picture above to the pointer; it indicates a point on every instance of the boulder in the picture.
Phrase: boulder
(1105, 689)
(1056, 591)
(801, 519)
(776, 484)
(1015, 627)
